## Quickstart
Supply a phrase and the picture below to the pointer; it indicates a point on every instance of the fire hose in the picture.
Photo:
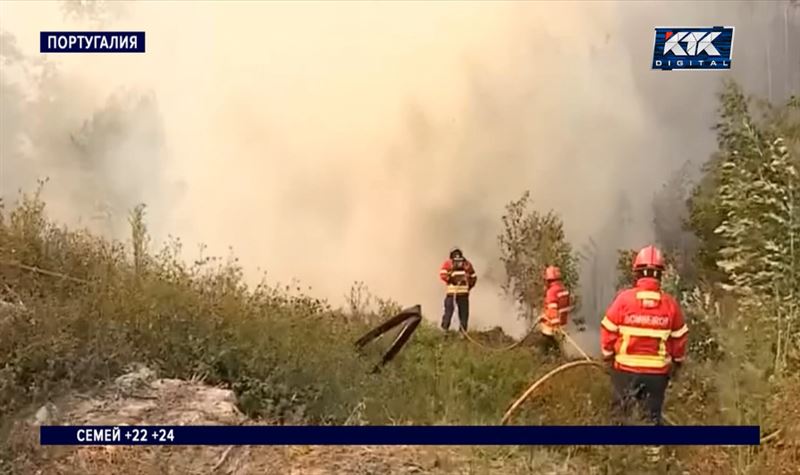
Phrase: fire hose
(412, 317)
(586, 361)
(595, 364)
(500, 349)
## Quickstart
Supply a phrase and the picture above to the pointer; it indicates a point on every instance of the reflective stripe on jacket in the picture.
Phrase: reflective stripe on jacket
(644, 329)
(556, 308)
(459, 276)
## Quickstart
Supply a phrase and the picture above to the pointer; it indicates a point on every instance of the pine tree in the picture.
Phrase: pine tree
(759, 200)
(741, 155)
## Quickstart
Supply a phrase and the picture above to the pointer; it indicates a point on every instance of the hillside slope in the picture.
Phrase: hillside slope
(78, 310)
(139, 397)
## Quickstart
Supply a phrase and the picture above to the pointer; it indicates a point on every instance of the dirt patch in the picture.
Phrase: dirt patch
(139, 397)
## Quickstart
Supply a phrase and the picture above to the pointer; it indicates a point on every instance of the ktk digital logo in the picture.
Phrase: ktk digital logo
(698, 49)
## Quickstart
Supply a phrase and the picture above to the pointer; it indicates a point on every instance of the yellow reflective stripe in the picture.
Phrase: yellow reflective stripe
(643, 361)
(609, 325)
(679, 332)
(564, 310)
(563, 293)
(647, 332)
(458, 289)
(648, 295)
(552, 305)
(623, 348)
(678, 360)
(607, 353)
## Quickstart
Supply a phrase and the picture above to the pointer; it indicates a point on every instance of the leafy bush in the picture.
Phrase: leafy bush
(530, 242)
(286, 354)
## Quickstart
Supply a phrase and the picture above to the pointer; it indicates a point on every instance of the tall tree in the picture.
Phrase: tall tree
(757, 201)
(710, 197)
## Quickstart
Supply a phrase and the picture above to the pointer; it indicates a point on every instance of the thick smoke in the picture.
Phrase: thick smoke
(334, 142)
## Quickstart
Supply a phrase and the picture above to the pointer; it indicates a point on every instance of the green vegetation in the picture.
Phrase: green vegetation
(202, 320)
(287, 355)
(530, 242)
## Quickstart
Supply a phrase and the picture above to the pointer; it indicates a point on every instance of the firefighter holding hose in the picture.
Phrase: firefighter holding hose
(643, 337)
(459, 275)
(556, 310)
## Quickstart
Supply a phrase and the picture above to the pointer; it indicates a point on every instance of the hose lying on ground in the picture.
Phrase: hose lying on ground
(588, 362)
(540, 381)
(413, 316)
(502, 348)
(410, 316)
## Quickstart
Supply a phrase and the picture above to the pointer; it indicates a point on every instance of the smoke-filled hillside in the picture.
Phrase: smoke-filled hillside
(358, 141)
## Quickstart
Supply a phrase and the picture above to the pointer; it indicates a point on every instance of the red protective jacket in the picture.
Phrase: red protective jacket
(644, 330)
(459, 276)
(556, 308)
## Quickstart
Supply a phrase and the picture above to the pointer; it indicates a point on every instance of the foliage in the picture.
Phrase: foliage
(367, 308)
(285, 354)
(288, 357)
(759, 200)
(625, 277)
(742, 311)
(530, 242)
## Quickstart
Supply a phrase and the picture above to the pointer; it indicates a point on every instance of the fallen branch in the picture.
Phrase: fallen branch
(222, 459)
(774, 435)
(37, 270)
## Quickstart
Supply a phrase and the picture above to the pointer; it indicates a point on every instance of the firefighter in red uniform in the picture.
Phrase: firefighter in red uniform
(556, 309)
(643, 336)
(459, 275)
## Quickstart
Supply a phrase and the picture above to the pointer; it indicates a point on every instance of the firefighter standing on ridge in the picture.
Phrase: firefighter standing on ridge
(643, 336)
(556, 310)
(459, 275)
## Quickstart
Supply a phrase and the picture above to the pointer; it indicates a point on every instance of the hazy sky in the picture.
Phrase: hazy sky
(333, 142)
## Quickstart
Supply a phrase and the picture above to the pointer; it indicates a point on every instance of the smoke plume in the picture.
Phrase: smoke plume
(335, 142)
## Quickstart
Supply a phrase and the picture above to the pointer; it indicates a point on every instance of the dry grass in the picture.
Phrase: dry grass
(287, 357)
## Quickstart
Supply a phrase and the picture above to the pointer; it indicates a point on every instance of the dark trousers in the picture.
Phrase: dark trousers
(549, 344)
(644, 392)
(450, 302)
